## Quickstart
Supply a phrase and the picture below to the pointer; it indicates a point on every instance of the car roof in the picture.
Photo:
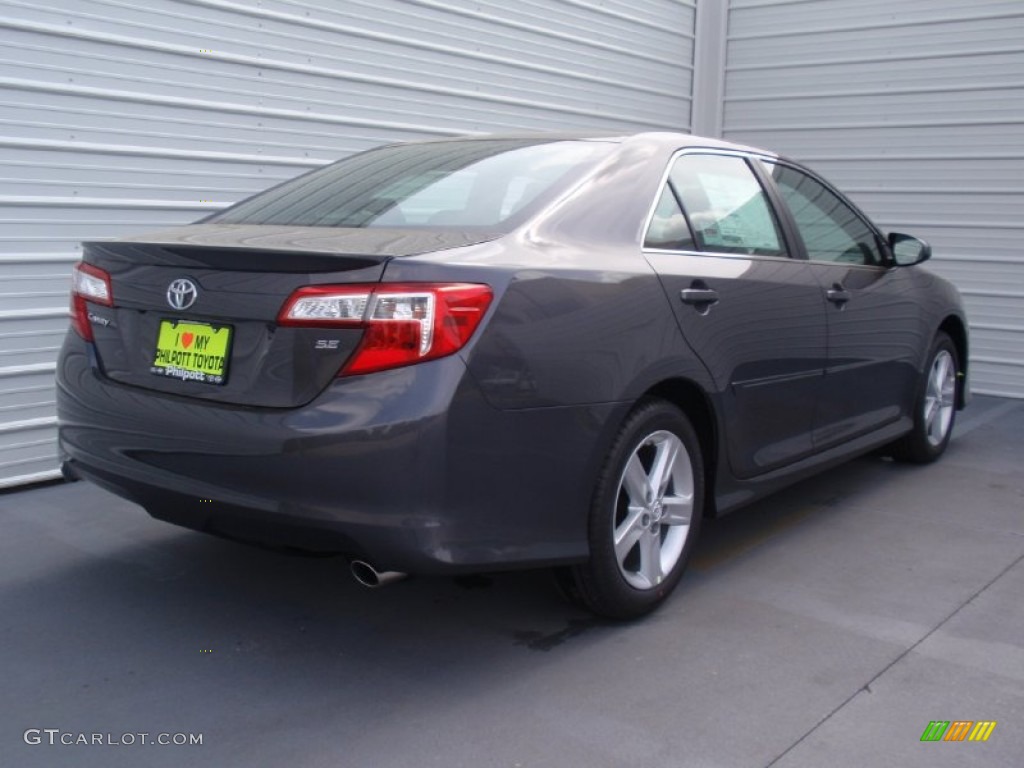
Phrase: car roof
(660, 139)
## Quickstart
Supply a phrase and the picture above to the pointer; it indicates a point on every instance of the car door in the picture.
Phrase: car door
(873, 322)
(754, 315)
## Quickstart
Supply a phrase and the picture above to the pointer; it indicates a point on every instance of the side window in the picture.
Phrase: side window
(726, 206)
(831, 229)
(668, 228)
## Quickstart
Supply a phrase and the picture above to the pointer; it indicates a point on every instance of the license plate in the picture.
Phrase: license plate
(192, 351)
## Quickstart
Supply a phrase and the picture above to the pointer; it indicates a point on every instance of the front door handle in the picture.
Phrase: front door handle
(837, 294)
(700, 297)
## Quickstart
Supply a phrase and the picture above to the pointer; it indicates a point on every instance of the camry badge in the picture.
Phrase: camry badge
(182, 293)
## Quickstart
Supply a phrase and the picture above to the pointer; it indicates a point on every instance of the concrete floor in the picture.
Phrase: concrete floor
(824, 627)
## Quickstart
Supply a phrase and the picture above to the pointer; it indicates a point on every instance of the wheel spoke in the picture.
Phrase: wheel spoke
(635, 481)
(945, 370)
(677, 509)
(661, 469)
(629, 532)
(947, 392)
(941, 372)
(650, 556)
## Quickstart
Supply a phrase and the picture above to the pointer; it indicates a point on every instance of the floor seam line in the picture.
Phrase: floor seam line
(895, 661)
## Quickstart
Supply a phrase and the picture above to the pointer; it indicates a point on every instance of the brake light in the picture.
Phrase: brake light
(88, 283)
(405, 323)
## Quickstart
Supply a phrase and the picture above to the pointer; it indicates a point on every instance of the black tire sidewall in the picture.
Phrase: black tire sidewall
(601, 584)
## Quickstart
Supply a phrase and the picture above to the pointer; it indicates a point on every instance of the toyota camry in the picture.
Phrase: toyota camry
(503, 352)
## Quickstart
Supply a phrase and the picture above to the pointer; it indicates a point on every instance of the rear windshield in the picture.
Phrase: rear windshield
(489, 183)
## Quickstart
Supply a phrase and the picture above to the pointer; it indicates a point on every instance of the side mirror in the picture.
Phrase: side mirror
(908, 250)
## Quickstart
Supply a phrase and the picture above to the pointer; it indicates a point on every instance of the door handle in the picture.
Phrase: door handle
(699, 296)
(838, 295)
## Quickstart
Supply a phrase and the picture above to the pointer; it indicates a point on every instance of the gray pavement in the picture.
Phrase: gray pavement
(824, 627)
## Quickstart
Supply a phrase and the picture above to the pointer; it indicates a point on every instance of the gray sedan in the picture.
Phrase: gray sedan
(505, 352)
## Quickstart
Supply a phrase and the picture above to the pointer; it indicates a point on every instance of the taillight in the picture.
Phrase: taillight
(404, 323)
(88, 283)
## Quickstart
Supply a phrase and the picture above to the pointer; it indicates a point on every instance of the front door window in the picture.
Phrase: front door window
(831, 230)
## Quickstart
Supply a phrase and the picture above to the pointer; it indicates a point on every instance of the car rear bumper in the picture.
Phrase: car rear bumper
(408, 469)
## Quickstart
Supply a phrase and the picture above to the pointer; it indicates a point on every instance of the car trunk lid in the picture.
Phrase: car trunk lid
(184, 298)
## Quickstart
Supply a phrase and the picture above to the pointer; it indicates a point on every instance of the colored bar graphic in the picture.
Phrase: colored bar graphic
(935, 730)
(958, 730)
(982, 730)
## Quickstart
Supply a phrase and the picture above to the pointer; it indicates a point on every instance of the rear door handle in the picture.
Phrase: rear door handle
(699, 296)
(837, 294)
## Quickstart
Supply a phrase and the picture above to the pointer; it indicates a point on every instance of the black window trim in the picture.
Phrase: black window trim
(751, 159)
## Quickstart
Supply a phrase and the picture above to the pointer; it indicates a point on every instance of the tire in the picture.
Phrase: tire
(650, 496)
(934, 406)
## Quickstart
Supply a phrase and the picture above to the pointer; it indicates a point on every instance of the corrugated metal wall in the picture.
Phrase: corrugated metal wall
(915, 107)
(117, 116)
(120, 116)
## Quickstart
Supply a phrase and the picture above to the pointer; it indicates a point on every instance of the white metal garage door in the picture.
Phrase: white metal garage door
(120, 116)
(915, 107)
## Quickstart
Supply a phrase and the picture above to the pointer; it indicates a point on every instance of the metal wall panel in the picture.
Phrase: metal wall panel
(119, 116)
(916, 108)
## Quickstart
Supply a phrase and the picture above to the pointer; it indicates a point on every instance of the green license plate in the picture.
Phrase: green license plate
(192, 351)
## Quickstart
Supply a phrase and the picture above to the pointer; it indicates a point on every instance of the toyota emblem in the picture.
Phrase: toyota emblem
(182, 293)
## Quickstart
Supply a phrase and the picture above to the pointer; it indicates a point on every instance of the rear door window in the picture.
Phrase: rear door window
(668, 229)
(726, 206)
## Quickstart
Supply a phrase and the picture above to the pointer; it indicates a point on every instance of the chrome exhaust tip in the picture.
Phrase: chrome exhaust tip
(370, 577)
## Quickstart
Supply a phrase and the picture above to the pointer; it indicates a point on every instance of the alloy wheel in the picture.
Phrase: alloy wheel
(940, 397)
(654, 505)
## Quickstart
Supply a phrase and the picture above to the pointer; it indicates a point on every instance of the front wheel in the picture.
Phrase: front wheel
(935, 409)
(645, 514)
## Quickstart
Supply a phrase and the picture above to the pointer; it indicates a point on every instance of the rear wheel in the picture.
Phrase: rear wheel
(935, 409)
(645, 514)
